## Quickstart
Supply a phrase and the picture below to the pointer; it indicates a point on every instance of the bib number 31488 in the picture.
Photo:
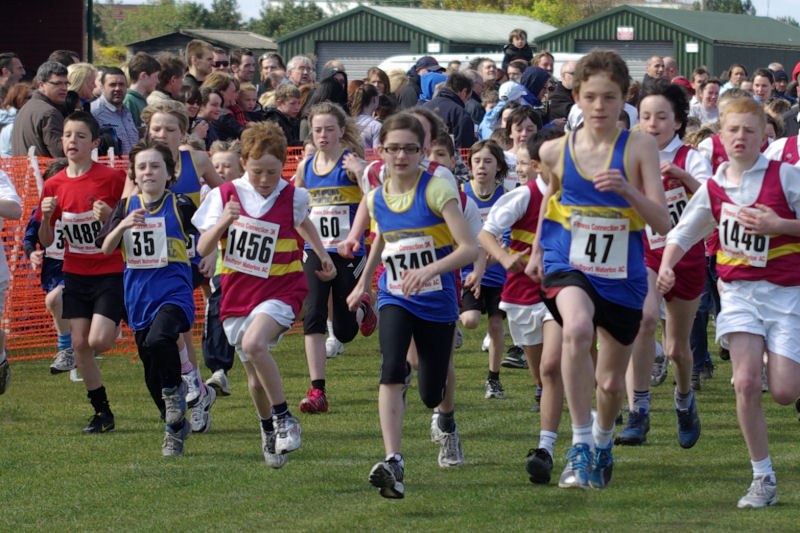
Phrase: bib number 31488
(251, 246)
(600, 246)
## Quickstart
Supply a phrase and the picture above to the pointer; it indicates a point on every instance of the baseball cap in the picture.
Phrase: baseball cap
(429, 63)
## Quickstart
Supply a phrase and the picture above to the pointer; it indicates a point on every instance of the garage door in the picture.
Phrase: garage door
(358, 57)
(635, 53)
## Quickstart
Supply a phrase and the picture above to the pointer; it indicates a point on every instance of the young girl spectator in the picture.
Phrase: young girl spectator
(364, 102)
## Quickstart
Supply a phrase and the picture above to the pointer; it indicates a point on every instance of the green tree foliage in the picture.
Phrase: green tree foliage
(152, 19)
(277, 21)
(790, 20)
(738, 7)
(225, 15)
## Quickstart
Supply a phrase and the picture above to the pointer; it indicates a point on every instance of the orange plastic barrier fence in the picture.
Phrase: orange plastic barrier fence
(27, 324)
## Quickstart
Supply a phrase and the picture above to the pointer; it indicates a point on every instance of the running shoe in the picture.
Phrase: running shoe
(5, 375)
(173, 440)
(192, 388)
(762, 492)
(333, 347)
(387, 477)
(64, 361)
(219, 381)
(688, 425)
(200, 419)
(314, 402)
(370, 320)
(579, 463)
(696, 384)
(494, 389)
(272, 458)
(660, 367)
(539, 466)
(450, 451)
(708, 370)
(635, 430)
(485, 343)
(174, 403)
(600, 474)
(515, 358)
(287, 430)
(100, 423)
(459, 342)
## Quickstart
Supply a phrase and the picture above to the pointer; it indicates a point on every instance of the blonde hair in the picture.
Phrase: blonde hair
(218, 80)
(169, 107)
(397, 80)
(351, 140)
(78, 74)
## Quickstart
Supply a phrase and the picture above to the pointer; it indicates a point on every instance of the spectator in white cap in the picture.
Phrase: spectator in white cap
(510, 91)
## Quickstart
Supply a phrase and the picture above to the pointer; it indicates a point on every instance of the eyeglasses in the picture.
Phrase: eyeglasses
(221, 63)
(269, 56)
(58, 83)
(396, 148)
(194, 102)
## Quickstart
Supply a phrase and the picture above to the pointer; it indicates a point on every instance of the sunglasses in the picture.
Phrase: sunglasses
(195, 102)
(221, 63)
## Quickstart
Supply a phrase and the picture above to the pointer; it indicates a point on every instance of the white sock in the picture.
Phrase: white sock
(547, 440)
(583, 434)
(763, 468)
(602, 437)
(330, 328)
(184, 355)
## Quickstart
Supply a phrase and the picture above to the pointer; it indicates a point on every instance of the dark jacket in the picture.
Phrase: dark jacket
(290, 126)
(451, 110)
(560, 102)
(791, 125)
(409, 94)
(39, 123)
(511, 53)
(475, 108)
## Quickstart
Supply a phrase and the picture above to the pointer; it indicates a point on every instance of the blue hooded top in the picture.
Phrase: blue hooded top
(534, 79)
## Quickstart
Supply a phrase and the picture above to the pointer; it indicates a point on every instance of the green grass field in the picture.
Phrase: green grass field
(56, 479)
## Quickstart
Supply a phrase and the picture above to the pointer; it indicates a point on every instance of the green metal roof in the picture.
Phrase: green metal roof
(454, 26)
(706, 25)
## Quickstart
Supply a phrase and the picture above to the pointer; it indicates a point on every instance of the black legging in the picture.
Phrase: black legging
(345, 325)
(158, 350)
(434, 342)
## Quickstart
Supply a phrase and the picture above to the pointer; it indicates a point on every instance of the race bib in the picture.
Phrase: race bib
(191, 246)
(146, 245)
(676, 203)
(600, 246)
(56, 249)
(484, 212)
(251, 246)
(405, 254)
(80, 231)
(737, 244)
(332, 223)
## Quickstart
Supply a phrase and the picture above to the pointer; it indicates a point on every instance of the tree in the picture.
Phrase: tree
(277, 21)
(790, 20)
(738, 7)
(157, 17)
(225, 15)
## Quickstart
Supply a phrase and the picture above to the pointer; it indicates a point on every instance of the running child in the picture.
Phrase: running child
(605, 188)
(334, 198)
(531, 325)
(662, 114)
(10, 209)
(421, 238)
(753, 203)
(218, 354)
(152, 229)
(50, 261)
(263, 287)
(483, 284)
(81, 196)
(167, 122)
